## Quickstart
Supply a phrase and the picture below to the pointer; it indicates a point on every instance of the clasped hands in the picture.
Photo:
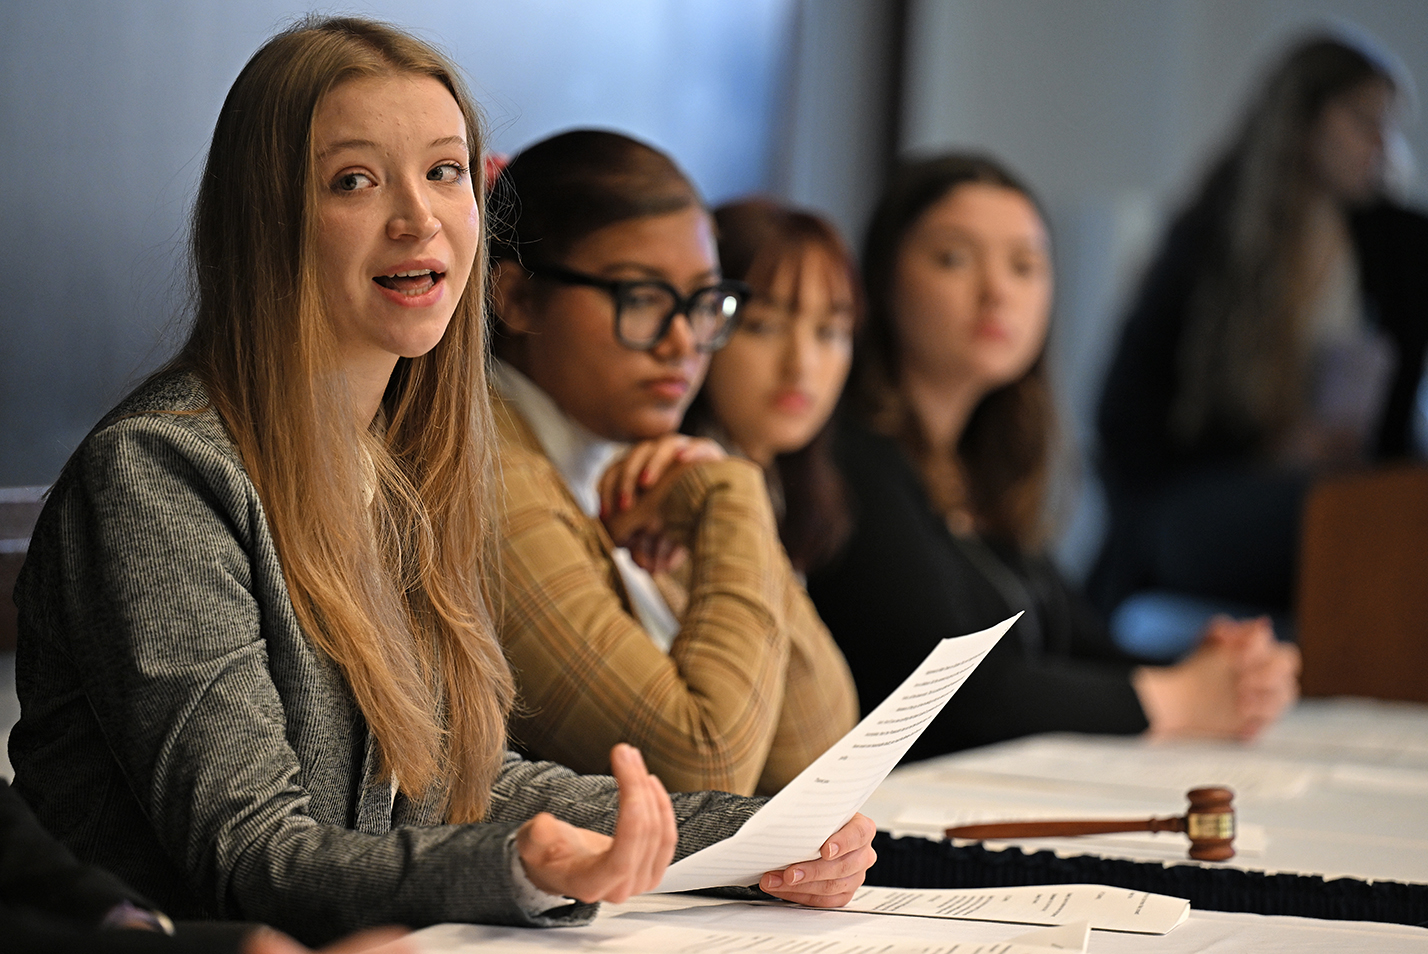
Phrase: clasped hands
(562, 859)
(1236, 683)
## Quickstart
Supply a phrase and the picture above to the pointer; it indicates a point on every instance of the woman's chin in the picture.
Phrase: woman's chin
(649, 424)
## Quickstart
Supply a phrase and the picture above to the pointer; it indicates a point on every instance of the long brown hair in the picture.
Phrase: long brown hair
(394, 592)
(1002, 459)
(757, 238)
(1241, 370)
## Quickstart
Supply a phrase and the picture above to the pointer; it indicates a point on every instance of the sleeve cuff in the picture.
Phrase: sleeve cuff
(532, 901)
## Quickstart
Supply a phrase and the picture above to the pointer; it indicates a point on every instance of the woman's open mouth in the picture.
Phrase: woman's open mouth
(411, 283)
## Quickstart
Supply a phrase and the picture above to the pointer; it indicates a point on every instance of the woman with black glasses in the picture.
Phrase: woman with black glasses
(647, 597)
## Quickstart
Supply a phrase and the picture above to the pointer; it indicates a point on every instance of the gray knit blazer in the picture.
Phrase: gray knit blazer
(178, 728)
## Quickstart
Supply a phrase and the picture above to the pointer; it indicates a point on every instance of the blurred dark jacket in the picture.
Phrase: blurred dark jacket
(904, 582)
(52, 904)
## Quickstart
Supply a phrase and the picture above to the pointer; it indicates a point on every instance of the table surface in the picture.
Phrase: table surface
(1205, 931)
(1338, 788)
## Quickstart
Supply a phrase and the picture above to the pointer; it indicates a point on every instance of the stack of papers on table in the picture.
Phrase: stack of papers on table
(879, 921)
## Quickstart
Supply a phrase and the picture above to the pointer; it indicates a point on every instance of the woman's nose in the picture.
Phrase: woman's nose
(996, 280)
(797, 353)
(678, 341)
(411, 215)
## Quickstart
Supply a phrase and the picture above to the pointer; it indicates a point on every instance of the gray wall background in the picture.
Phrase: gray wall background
(1109, 107)
(106, 107)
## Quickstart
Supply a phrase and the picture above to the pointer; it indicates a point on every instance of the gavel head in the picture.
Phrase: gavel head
(1210, 823)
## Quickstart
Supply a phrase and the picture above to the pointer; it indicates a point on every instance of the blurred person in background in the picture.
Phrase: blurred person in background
(1278, 335)
(945, 448)
(50, 903)
(771, 390)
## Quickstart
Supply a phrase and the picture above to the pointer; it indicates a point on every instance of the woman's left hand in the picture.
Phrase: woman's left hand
(639, 471)
(645, 463)
(831, 880)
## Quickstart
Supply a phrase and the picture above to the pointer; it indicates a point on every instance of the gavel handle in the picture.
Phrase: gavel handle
(1052, 829)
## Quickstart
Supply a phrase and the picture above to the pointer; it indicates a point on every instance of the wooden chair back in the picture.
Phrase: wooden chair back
(1363, 586)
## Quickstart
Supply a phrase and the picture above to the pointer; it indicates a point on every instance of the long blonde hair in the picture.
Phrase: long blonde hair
(394, 592)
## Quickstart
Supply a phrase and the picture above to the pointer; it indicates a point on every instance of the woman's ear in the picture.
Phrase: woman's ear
(512, 296)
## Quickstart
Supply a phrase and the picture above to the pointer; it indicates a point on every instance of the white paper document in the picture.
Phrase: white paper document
(793, 825)
(1101, 906)
(683, 940)
(1129, 766)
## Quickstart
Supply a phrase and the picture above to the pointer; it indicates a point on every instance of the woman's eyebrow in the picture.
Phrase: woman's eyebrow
(369, 144)
(654, 273)
(450, 141)
(949, 232)
(345, 144)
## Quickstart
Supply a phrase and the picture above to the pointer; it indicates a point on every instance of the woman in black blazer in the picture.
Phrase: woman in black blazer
(945, 448)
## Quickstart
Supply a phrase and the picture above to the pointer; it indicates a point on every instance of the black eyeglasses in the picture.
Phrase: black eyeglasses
(645, 309)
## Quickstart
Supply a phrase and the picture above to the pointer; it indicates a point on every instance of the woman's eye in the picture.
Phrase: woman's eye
(1026, 267)
(351, 182)
(447, 172)
(764, 320)
(950, 258)
(645, 299)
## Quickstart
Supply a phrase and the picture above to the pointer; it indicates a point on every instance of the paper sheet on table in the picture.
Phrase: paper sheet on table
(1131, 766)
(1388, 779)
(1071, 936)
(684, 940)
(1250, 840)
(793, 825)
(1103, 907)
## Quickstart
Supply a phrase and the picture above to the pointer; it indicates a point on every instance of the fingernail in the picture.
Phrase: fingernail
(796, 877)
(833, 850)
(773, 881)
(626, 498)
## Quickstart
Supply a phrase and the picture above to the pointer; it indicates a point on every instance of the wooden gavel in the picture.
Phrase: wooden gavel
(1210, 823)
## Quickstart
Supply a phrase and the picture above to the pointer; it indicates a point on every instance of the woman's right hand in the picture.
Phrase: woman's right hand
(633, 490)
(576, 863)
(1235, 684)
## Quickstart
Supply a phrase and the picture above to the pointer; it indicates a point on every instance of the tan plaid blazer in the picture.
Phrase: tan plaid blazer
(753, 687)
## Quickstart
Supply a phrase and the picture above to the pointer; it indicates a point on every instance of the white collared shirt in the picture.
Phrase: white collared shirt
(581, 456)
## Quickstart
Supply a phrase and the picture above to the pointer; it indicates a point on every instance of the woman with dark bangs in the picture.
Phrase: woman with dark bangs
(945, 450)
(771, 390)
(257, 666)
